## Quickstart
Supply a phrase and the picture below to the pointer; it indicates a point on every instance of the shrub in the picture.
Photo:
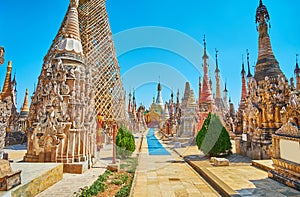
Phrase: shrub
(213, 139)
(125, 143)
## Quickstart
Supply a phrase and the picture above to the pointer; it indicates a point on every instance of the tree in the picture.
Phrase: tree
(125, 143)
(213, 139)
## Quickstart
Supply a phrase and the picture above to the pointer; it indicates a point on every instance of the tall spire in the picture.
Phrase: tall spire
(266, 65)
(133, 106)
(206, 97)
(248, 63)
(129, 103)
(297, 74)
(225, 101)
(297, 69)
(200, 86)
(177, 99)
(25, 103)
(205, 56)
(7, 91)
(217, 71)
(244, 90)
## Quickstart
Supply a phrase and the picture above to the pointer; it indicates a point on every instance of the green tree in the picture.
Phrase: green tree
(125, 143)
(213, 138)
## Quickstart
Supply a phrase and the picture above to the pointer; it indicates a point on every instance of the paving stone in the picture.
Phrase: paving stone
(173, 176)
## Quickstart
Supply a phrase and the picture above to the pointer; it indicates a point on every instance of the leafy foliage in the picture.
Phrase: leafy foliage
(124, 191)
(213, 139)
(125, 143)
(117, 182)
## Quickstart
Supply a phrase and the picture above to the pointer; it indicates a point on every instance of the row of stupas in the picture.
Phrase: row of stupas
(185, 118)
(136, 117)
(13, 123)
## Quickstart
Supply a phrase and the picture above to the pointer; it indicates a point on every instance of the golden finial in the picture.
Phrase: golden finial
(25, 104)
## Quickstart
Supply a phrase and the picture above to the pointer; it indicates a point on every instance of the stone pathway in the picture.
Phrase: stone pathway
(72, 183)
(240, 178)
(169, 176)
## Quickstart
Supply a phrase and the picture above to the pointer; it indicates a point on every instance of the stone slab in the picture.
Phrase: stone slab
(76, 168)
(265, 165)
(221, 162)
(36, 177)
(113, 167)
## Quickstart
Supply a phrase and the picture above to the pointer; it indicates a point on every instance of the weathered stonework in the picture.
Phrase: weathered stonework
(8, 178)
(285, 170)
(62, 119)
(5, 113)
(270, 99)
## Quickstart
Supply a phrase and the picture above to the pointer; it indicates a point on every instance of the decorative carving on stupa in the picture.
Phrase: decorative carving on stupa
(9, 91)
(5, 113)
(62, 118)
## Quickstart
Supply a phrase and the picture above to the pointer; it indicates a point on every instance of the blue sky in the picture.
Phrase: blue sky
(167, 37)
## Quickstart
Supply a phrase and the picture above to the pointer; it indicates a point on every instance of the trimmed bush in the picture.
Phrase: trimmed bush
(213, 139)
(125, 143)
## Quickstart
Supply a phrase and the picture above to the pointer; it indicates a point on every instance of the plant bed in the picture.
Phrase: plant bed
(111, 184)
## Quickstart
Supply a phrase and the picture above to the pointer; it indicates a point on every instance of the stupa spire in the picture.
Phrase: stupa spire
(217, 71)
(225, 96)
(25, 103)
(159, 100)
(297, 73)
(129, 103)
(6, 90)
(206, 97)
(248, 63)
(71, 41)
(244, 90)
(266, 65)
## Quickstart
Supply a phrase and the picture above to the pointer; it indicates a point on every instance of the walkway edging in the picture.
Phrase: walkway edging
(135, 173)
(214, 181)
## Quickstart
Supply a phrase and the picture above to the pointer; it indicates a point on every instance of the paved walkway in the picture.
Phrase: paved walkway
(240, 178)
(169, 176)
